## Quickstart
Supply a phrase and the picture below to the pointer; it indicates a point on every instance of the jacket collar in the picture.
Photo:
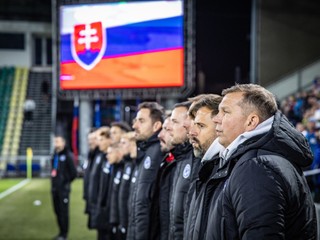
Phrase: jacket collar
(262, 128)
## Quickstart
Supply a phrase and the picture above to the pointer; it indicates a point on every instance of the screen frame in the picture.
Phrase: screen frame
(129, 93)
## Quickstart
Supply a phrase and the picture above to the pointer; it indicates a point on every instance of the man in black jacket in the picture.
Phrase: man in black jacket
(129, 148)
(260, 191)
(162, 186)
(183, 168)
(202, 135)
(115, 156)
(63, 172)
(96, 186)
(147, 126)
(93, 151)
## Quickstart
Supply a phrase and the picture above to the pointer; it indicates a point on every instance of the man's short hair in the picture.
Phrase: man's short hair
(104, 132)
(131, 136)
(124, 126)
(256, 96)
(211, 101)
(156, 110)
(59, 135)
(185, 104)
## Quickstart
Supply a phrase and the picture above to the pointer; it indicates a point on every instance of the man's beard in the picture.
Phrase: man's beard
(198, 152)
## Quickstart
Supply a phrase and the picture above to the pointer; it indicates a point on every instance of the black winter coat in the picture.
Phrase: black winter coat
(261, 192)
(173, 188)
(184, 175)
(114, 196)
(87, 168)
(124, 193)
(94, 185)
(196, 221)
(159, 229)
(141, 189)
(100, 217)
(65, 172)
(87, 165)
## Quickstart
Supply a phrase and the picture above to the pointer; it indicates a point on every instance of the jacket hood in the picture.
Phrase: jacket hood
(144, 145)
(180, 150)
(282, 139)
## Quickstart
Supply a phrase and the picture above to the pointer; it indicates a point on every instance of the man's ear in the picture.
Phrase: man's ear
(157, 126)
(253, 121)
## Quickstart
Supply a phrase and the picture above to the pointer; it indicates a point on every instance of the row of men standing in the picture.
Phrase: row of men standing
(216, 168)
(156, 183)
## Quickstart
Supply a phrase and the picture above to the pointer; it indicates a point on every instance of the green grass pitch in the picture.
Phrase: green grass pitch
(20, 219)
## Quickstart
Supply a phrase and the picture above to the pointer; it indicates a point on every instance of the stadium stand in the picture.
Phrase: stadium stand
(37, 134)
(15, 117)
(6, 81)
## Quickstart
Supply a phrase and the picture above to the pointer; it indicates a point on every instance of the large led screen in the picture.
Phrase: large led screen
(122, 45)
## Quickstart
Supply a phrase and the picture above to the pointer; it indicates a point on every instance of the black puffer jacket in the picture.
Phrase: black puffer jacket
(186, 166)
(124, 193)
(172, 193)
(114, 197)
(94, 185)
(87, 168)
(159, 229)
(141, 190)
(100, 213)
(196, 220)
(65, 173)
(261, 192)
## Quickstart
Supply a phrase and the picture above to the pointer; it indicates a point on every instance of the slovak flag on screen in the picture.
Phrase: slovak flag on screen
(137, 44)
(88, 44)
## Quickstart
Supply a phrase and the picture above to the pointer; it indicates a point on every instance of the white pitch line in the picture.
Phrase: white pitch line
(14, 188)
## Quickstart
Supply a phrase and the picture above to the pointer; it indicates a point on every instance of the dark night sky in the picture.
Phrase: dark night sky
(222, 42)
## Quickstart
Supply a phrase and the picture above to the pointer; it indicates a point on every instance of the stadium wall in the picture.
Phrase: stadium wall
(22, 57)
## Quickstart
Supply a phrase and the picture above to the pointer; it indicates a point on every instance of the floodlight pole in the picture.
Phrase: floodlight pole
(85, 123)
(254, 42)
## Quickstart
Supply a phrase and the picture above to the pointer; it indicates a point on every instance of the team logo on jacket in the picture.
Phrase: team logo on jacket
(135, 175)
(116, 180)
(88, 44)
(186, 171)
(126, 175)
(147, 162)
(85, 164)
(98, 159)
(106, 168)
(62, 158)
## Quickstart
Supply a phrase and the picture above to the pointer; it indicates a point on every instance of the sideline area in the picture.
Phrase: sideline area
(27, 213)
(13, 188)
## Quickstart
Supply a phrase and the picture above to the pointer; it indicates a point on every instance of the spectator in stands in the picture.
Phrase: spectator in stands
(63, 172)
(260, 191)
(45, 90)
(29, 108)
(301, 128)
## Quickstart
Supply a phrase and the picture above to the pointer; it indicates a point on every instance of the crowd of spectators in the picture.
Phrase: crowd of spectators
(303, 111)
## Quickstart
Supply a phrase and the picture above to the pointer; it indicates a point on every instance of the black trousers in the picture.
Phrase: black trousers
(60, 200)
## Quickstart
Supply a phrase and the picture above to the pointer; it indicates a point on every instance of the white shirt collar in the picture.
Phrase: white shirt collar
(263, 127)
